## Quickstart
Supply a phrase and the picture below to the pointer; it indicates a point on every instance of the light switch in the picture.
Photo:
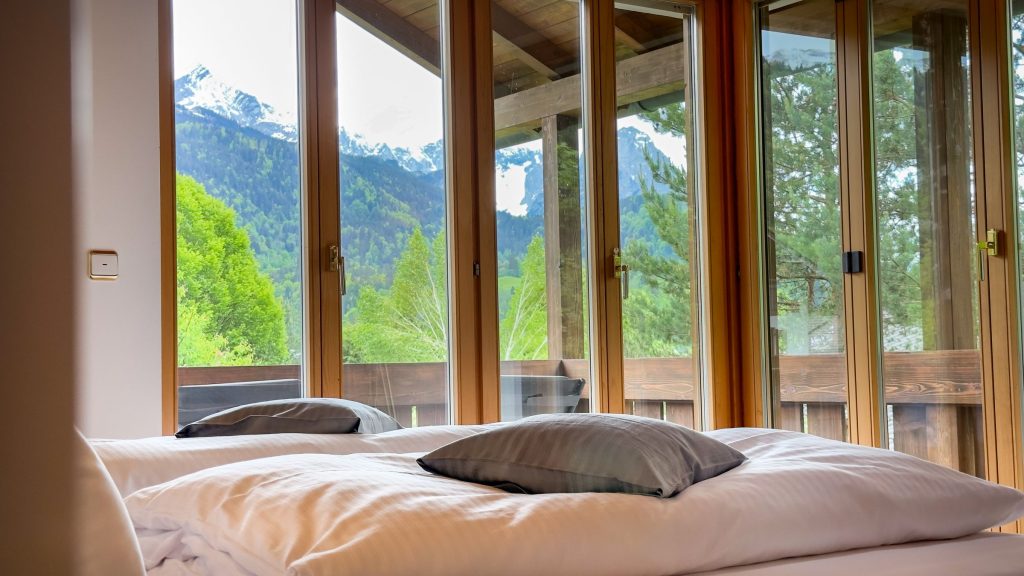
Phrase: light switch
(102, 265)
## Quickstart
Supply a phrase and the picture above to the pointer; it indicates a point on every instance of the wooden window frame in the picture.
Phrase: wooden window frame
(466, 57)
(993, 148)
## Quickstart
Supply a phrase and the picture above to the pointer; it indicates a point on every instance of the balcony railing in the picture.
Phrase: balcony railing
(934, 397)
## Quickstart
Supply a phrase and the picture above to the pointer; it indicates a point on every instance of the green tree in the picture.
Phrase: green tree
(656, 317)
(408, 322)
(227, 312)
(524, 329)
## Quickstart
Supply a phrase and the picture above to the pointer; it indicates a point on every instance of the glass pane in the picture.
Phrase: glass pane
(802, 243)
(658, 190)
(543, 310)
(239, 228)
(391, 116)
(924, 195)
(1017, 59)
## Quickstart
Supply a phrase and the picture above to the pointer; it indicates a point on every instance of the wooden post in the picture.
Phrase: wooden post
(563, 236)
(945, 212)
(944, 195)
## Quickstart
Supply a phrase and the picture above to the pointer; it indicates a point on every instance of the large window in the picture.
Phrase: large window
(659, 211)
(802, 241)
(543, 306)
(393, 219)
(926, 252)
(239, 207)
(870, 245)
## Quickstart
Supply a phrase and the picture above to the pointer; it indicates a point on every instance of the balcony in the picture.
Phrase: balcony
(933, 399)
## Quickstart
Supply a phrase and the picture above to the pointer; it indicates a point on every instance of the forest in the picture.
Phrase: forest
(239, 232)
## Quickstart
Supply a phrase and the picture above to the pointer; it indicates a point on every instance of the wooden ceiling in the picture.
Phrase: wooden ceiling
(536, 42)
(818, 17)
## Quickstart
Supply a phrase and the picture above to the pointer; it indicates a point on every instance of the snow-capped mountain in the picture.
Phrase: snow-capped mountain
(200, 91)
(425, 160)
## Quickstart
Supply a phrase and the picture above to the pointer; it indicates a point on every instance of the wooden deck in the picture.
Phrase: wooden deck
(935, 397)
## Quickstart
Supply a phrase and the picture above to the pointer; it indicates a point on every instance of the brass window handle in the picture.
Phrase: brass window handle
(621, 271)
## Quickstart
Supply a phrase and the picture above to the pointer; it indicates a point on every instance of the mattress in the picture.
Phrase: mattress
(796, 497)
(984, 554)
(144, 462)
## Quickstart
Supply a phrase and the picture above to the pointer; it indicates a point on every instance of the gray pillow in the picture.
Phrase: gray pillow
(307, 415)
(585, 453)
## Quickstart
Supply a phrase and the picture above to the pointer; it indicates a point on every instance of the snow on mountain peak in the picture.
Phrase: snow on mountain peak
(201, 90)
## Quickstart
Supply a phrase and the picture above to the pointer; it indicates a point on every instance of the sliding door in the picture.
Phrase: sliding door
(802, 243)
(541, 211)
(239, 233)
(927, 259)
(881, 322)
(659, 187)
(392, 188)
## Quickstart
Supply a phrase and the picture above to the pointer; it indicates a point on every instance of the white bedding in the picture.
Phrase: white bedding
(136, 464)
(382, 514)
(985, 554)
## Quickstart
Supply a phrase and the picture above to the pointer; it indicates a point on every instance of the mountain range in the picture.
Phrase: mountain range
(246, 153)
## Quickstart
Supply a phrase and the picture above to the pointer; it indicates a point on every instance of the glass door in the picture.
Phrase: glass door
(927, 258)
(802, 242)
(239, 204)
(541, 209)
(659, 187)
(393, 252)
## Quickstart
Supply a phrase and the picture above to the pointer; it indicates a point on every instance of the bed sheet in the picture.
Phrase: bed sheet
(984, 554)
(313, 514)
(144, 462)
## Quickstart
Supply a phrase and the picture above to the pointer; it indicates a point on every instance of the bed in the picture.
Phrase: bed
(360, 504)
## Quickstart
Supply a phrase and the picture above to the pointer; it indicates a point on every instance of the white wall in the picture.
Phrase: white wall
(117, 207)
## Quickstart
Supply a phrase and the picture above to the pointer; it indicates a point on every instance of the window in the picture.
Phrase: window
(239, 205)
(926, 252)
(869, 250)
(802, 240)
(543, 306)
(393, 210)
(659, 213)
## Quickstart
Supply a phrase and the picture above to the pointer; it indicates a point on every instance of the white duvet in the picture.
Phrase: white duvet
(364, 514)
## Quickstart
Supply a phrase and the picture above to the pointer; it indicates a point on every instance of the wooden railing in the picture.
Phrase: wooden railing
(935, 397)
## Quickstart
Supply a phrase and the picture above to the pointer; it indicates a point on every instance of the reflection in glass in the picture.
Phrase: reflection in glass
(658, 189)
(924, 196)
(392, 192)
(543, 309)
(802, 243)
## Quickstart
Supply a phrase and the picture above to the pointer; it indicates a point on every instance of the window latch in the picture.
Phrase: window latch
(621, 271)
(853, 262)
(990, 245)
(336, 263)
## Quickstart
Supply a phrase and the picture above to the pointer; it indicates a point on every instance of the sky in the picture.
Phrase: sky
(252, 45)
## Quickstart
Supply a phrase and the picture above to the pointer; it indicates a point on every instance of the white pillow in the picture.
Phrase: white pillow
(105, 542)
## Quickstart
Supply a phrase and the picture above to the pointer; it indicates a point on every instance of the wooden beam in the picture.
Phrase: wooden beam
(944, 188)
(656, 73)
(634, 45)
(530, 46)
(526, 57)
(394, 31)
(563, 238)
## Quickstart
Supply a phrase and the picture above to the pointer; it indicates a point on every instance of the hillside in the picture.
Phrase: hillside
(246, 154)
